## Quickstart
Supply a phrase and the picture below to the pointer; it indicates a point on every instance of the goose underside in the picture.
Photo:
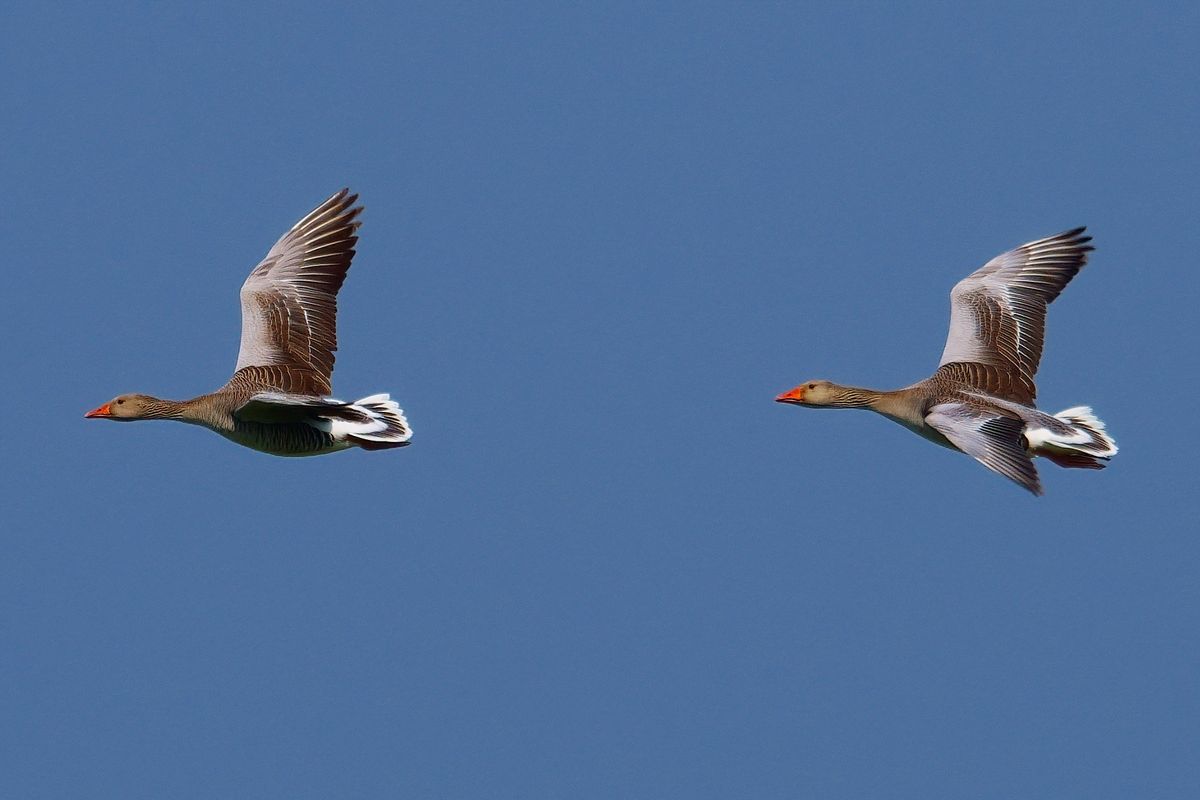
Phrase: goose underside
(289, 439)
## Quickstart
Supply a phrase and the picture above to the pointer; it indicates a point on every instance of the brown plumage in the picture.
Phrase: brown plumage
(278, 398)
(980, 400)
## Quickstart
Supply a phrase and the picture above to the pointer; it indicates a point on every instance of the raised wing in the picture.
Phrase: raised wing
(990, 438)
(289, 301)
(998, 312)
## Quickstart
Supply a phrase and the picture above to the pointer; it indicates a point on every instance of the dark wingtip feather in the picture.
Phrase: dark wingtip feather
(1075, 236)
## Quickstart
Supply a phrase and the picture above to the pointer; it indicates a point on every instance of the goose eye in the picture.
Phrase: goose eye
(812, 386)
(121, 402)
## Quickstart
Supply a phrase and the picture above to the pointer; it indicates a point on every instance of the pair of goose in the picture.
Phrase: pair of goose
(980, 400)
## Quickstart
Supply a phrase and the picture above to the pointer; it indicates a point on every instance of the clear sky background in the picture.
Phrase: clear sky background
(598, 240)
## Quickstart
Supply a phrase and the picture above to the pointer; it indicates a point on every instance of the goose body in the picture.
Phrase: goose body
(278, 400)
(981, 399)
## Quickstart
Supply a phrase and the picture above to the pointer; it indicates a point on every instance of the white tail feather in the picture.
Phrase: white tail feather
(1099, 442)
(386, 426)
(1081, 444)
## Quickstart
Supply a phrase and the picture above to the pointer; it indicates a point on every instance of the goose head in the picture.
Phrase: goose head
(827, 394)
(126, 408)
(812, 393)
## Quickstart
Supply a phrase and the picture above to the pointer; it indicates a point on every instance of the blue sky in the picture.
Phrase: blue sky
(598, 240)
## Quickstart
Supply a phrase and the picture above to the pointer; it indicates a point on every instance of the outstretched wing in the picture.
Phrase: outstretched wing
(289, 301)
(998, 312)
(990, 438)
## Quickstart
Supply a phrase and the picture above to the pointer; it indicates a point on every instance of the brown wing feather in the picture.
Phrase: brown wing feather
(998, 312)
(289, 301)
(993, 380)
(286, 378)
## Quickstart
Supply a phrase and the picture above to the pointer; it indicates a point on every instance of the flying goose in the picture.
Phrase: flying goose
(278, 400)
(981, 399)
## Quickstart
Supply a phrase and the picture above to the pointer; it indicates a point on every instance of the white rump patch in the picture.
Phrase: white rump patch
(1087, 435)
(386, 422)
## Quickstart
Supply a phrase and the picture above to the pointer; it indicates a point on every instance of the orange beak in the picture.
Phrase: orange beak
(102, 411)
(791, 396)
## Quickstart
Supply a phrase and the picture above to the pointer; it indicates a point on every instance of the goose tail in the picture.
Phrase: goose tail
(1078, 441)
(384, 425)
